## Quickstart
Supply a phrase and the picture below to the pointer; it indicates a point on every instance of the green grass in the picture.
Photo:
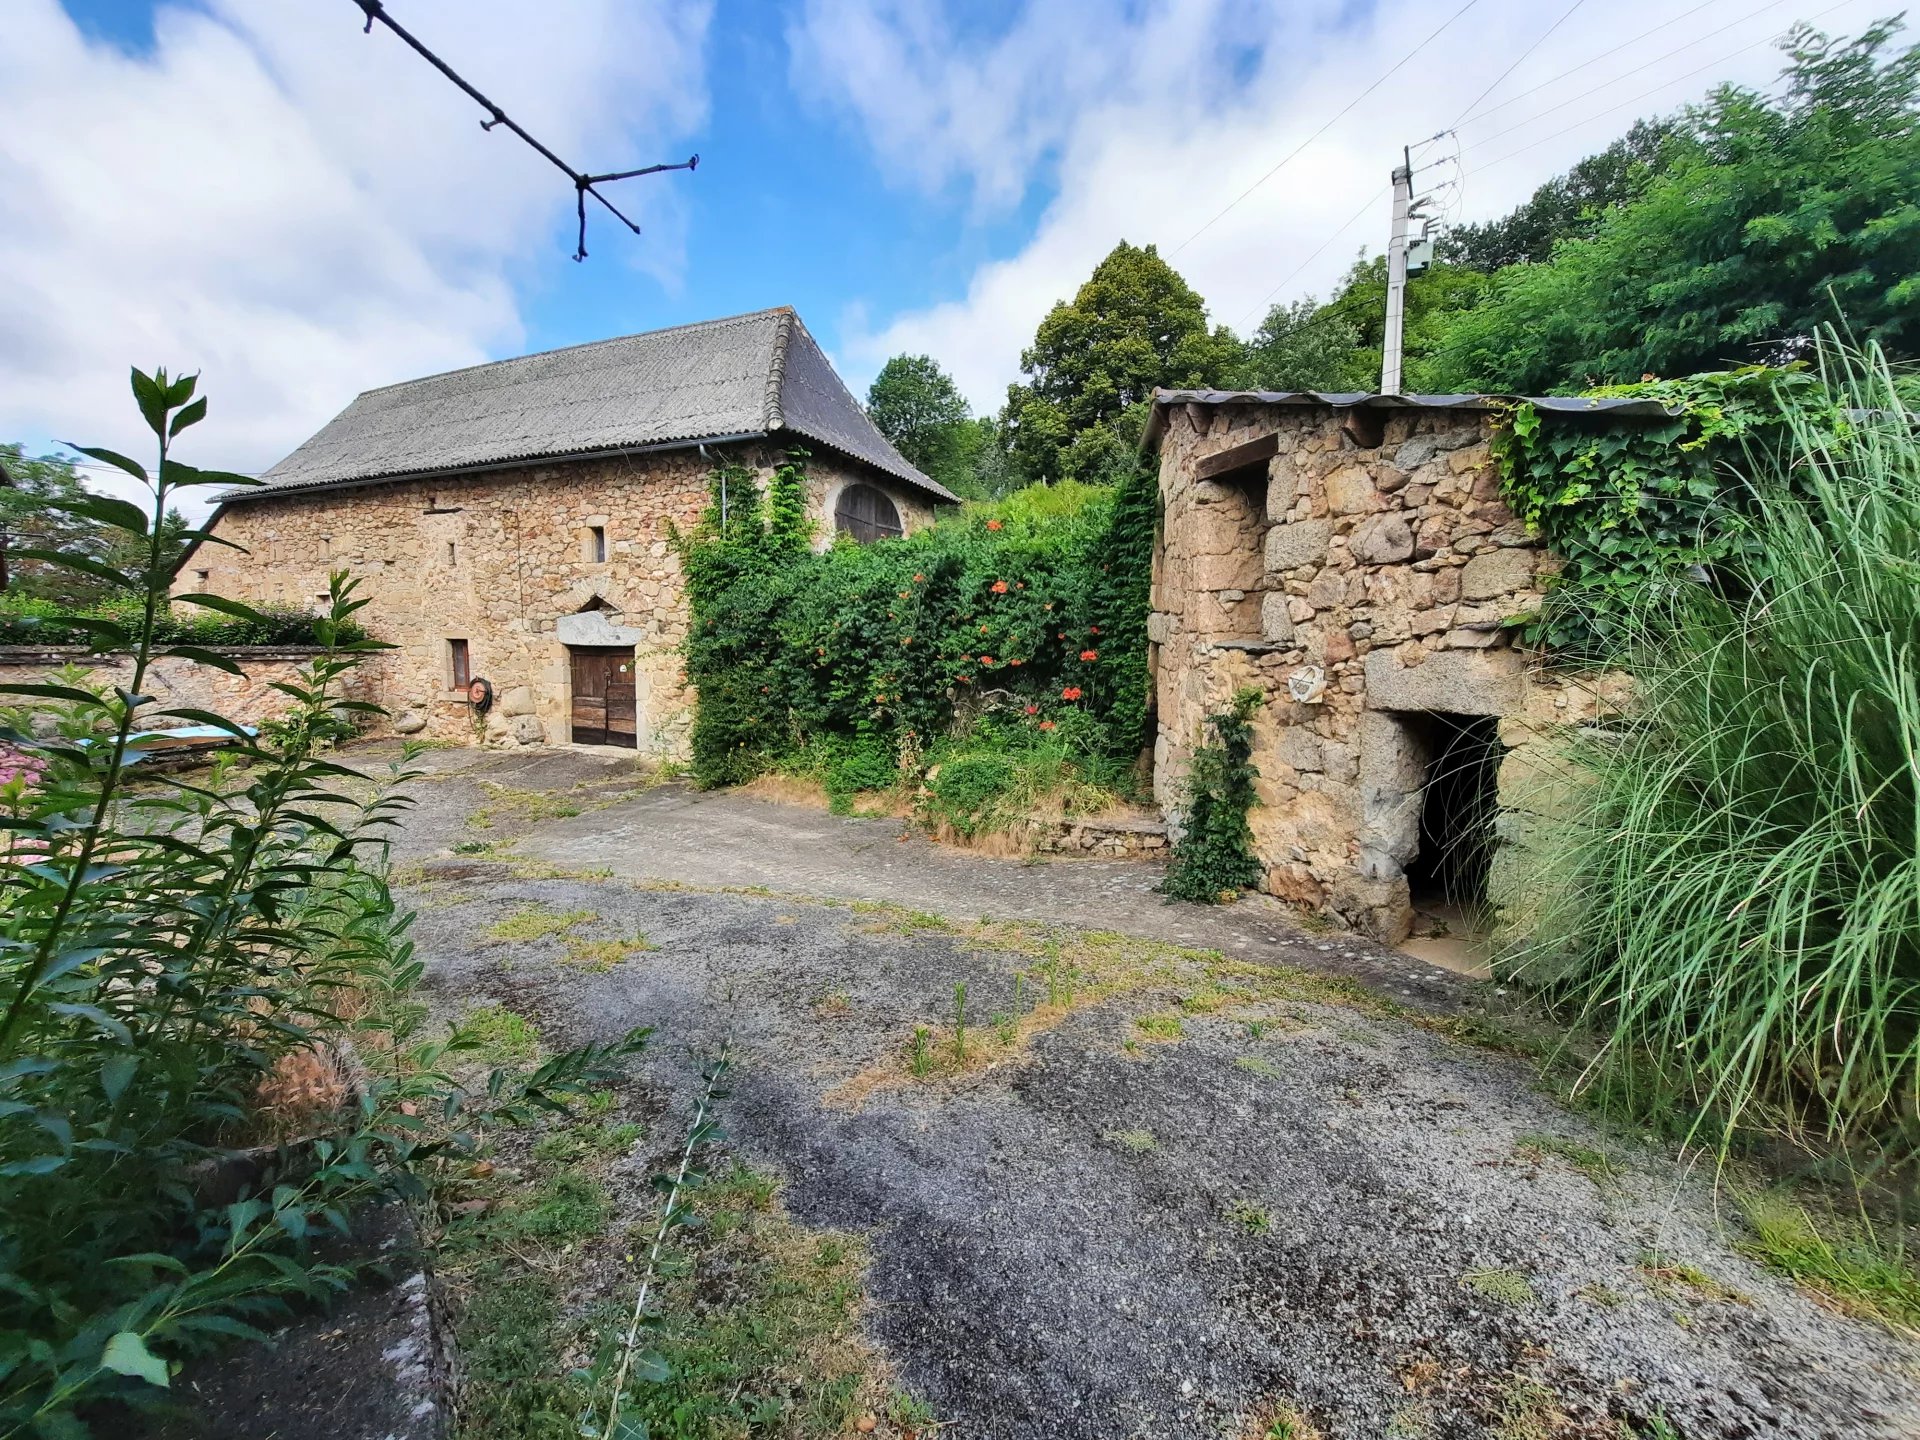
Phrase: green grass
(1250, 1217)
(1138, 1141)
(499, 1035)
(603, 955)
(1590, 1162)
(1258, 1065)
(1508, 1287)
(1843, 1261)
(1159, 1027)
(758, 1318)
(537, 922)
(1735, 903)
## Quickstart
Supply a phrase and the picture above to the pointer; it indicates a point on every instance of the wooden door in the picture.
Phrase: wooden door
(604, 712)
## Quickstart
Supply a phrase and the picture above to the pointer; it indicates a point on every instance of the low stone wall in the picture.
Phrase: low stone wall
(177, 683)
(1358, 567)
(1111, 838)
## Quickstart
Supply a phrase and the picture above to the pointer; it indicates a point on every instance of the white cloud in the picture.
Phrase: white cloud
(300, 211)
(1190, 102)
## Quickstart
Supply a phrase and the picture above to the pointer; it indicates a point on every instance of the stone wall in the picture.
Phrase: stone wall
(1359, 575)
(176, 683)
(505, 561)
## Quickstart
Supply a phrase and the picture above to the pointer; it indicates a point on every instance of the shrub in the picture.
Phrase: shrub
(27, 621)
(166, 953)
(1737, 904)
(854, 661)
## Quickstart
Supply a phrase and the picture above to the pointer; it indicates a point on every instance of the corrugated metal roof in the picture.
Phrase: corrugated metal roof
(744, 376)
(1619, 407)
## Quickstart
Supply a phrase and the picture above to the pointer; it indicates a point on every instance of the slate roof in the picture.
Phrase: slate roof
(1619, 406)
(744, 377)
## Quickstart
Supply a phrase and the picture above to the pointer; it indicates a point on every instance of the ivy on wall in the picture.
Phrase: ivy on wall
(1214, 858)
(1634, 508)
(864, 656)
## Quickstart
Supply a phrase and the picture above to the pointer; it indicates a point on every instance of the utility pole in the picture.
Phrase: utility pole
(1397, 276)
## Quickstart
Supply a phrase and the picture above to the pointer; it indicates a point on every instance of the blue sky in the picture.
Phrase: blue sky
(253, 189)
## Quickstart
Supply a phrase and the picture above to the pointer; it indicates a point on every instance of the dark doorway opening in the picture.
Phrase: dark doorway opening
(1458, 805)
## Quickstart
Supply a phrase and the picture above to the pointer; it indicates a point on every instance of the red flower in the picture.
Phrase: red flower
(993, 524)
(1033, 709)
(983, 629)
(1072, 692)
(1089, 654)
(905, 593)
(1016, 662)
(986, 659)
(999, 587)
(918, 578)
(1046, 724)
(1093, 629)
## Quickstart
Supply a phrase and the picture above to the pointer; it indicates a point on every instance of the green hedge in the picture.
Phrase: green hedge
(26, 621)
(1031, 611)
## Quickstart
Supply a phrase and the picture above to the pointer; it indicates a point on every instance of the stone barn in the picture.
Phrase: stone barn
(511, 522)
(1351, 557)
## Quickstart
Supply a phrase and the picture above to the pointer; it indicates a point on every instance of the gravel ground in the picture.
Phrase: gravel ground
(1346, 1212)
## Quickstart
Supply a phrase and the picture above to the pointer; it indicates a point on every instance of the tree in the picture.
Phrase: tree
(1095, 361)
(1435, 300)
(31, 520)
(1303, 346)
(40, 510)
(916, 405)
(1771, 218)
(1568, 206)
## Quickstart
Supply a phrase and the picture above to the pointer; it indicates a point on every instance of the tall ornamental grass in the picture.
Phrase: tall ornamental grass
(1739, 898)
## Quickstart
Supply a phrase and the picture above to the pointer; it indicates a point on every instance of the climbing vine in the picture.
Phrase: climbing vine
(1633, 509)
(1025, 619)
(1213, 859)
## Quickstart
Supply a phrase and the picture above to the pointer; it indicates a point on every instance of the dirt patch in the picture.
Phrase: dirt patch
(1297, 1203)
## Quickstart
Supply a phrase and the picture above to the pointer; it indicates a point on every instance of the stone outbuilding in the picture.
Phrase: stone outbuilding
(1351, 557)
(512, 522)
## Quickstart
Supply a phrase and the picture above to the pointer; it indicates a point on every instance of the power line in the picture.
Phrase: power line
(583, 183)
(1635, 99)
(1295, 152)
(1565, 16)
(1293, 274)
(1625, 45)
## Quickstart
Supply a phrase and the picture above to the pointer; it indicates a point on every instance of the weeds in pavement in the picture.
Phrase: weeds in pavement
(1138, 1141)
(602, 955)
(1508, 1287)
(1590, 1162)
(499, 1035)
(537, 922)
(1250, 1217)
(1668, 1277)
(960, 1023)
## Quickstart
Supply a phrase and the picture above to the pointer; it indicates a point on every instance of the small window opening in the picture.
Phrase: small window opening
(453, 555)
(202, 577)
(597, 544)
(865, 512)
(462, 664)
(1458, 805)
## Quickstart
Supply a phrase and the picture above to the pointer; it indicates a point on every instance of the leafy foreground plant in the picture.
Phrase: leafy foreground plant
(1214, 858)
(171, 957)
(1737, 904)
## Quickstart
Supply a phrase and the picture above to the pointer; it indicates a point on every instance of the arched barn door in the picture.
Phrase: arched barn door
(865, 512)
